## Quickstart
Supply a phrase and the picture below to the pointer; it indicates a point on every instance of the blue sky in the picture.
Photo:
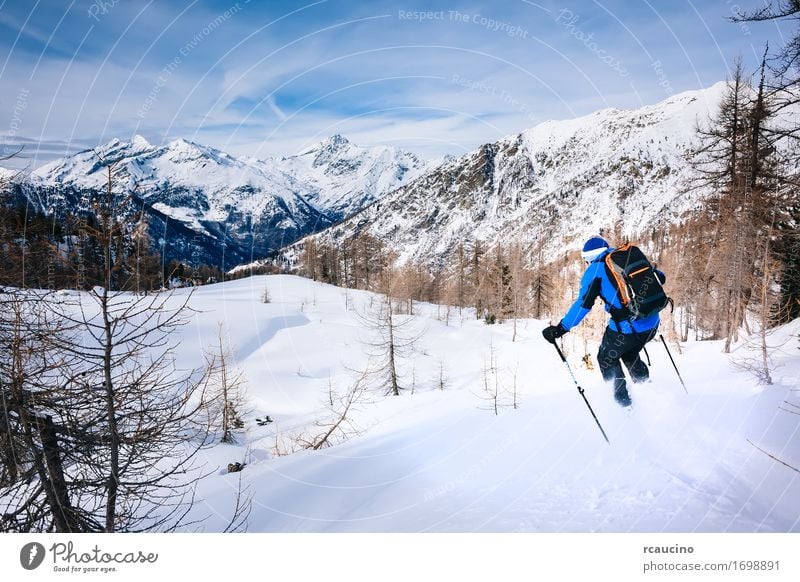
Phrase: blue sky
(267, 78)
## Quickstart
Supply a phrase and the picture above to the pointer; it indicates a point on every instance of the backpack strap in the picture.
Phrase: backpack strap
(622, 287)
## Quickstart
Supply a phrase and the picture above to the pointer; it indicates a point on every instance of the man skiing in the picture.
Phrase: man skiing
(624, 337)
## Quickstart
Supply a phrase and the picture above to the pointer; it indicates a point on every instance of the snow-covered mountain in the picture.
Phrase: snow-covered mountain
(554, 184)
(6, 175)
(345, 178)
(208, 206)
(197, 197)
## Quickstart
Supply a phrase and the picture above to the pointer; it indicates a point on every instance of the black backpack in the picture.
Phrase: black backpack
(638, 286)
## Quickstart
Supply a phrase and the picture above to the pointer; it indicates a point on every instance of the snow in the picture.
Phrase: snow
(441, 460)
(188, 216)
(7, 175)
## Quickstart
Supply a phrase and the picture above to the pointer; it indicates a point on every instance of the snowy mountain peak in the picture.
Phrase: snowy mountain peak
(184, 146)
(330, 145)
(139, 142)
(115, 148)
(346, 177)
(330, 150)
(336, 141)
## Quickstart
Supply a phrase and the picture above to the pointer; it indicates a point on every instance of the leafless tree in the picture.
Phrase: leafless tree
(737, 162)
(517, 287)
(41, 436)
(775, 458)
(392, 338)
(441, 380)
(243, 505)
(541, 287)
(339, 425)
(514, 392)
(266, 297)
(224, 389)
(493, 391)
(782, 90)
(10, 156)
(142, 419)
(769, 308)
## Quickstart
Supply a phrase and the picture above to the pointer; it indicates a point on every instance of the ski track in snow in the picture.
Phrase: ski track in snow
(442, 461)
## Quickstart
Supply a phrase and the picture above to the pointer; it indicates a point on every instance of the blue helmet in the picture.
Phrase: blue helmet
(593, 248)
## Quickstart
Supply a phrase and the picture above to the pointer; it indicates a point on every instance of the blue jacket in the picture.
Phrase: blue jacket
(595, 283)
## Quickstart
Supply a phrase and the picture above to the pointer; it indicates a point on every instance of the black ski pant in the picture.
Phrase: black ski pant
(623, 347)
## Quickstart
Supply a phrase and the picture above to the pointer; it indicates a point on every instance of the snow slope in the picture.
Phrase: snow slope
(441, 460)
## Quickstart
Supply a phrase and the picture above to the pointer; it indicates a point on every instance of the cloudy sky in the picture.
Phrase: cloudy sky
(267, 78)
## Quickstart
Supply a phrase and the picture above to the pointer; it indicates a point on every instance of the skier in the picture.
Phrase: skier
(624, 337)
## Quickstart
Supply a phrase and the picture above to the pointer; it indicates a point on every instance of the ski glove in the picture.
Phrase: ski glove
(553, 332)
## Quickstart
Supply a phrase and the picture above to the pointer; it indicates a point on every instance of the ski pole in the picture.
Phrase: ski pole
(580, 391)
(663, 341)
